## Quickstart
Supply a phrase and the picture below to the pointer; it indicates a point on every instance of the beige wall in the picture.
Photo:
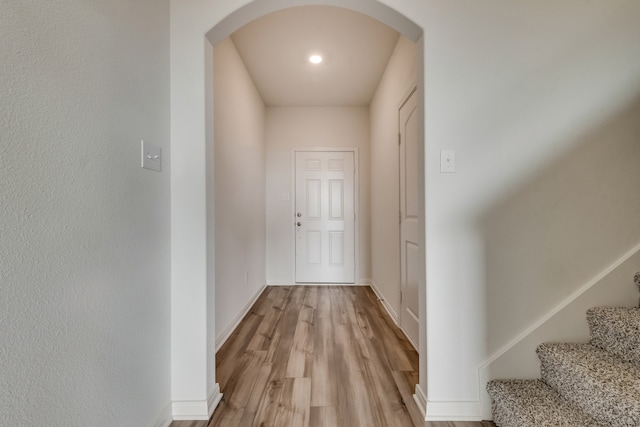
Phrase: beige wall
(85, 248)
(297, 127)
(396, 83)
(239, 156)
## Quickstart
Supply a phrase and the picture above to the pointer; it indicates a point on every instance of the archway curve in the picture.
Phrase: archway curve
(257, 9)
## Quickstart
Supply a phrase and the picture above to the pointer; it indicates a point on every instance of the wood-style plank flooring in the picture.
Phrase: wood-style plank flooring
(316, 356)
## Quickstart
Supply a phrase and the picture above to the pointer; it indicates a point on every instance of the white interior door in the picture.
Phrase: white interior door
(409, 249)
(325, 217)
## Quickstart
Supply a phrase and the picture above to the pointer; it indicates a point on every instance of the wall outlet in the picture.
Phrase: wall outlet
(447, 161)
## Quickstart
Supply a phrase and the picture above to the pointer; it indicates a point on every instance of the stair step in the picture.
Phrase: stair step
(617, 330)
(532, 403)
(602, 385)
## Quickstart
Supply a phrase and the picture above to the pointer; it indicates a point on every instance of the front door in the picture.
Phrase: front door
(409, 249)
(325, 217)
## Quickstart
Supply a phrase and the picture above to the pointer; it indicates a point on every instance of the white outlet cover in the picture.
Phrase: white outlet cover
(447, 161)
(151, 157)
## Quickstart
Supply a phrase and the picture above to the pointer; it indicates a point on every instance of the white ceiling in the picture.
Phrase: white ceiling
(276, 47)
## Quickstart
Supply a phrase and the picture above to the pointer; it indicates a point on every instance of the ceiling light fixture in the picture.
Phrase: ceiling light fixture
(315, 59)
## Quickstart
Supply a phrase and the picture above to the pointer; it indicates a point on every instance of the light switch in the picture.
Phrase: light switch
(284, 197)
(151, 156)
(447, 161)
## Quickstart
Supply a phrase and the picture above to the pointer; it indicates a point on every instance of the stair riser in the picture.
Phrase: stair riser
(531, 403)
(616, 331)
(593, 397)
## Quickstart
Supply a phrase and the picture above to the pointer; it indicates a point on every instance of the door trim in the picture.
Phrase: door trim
(356, 204)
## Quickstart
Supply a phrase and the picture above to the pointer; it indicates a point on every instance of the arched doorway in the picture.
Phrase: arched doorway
(195, 28)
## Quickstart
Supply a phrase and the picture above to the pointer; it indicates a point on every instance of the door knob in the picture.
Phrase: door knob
(299, 215)
(299, 224)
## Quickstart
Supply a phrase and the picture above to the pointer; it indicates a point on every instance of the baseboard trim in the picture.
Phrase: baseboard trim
(232, 327)
(188, 410)
(272, 283)
(214, 399)
(164, 418)
(421, 401)
(360, 283)
(392, 314)
(453, 411)
(563, 304)
(196, 410)
(385, 304)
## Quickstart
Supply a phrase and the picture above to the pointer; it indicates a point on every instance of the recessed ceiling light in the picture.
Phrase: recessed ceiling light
(315, 59)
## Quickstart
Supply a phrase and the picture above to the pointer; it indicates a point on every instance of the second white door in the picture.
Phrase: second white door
(325, 217)
(409, 249)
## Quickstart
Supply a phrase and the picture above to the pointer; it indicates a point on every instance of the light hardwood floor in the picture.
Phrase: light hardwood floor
(312, 356)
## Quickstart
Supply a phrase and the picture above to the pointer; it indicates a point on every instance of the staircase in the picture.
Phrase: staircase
(582, 385)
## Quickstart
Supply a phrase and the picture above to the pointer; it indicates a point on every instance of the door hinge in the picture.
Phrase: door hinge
(400, 296)
(400, 217)
(399, 139)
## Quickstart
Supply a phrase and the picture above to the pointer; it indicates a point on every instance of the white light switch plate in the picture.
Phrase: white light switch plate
(151, 157)
(447, 161)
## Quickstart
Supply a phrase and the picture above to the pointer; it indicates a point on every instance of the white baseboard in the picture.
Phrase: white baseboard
(360, 283)
(164, 418)
(196, 410)
(563, 304)
(385, 304)
(454, 411)
(234, 324)
(276, 283)
(214, 399)
(421, 401)
(392, 314)
(187, 410)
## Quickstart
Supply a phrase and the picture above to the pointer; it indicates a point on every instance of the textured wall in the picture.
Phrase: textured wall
(84, 231)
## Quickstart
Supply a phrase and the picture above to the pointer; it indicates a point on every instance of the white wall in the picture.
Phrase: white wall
(85, 243)
(289, 127)
(530, 96)
(397, 81)
(239, 158)
(510, 86)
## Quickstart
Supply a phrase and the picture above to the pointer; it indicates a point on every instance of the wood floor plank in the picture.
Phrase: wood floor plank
(271, 310)
(228, 356)
(323, 375)
(301, 355)
(318, 356)
(323, 416)
(406, 386)
(293, 410)
(247, 374)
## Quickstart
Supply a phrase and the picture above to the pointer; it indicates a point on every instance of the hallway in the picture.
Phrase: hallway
(317, 356)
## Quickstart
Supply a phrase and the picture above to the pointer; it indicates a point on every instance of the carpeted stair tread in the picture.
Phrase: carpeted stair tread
(602, 385)
(616, 330)
(532, 403)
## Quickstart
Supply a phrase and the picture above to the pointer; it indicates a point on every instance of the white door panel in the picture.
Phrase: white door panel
(325, 220)
(409, 249)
